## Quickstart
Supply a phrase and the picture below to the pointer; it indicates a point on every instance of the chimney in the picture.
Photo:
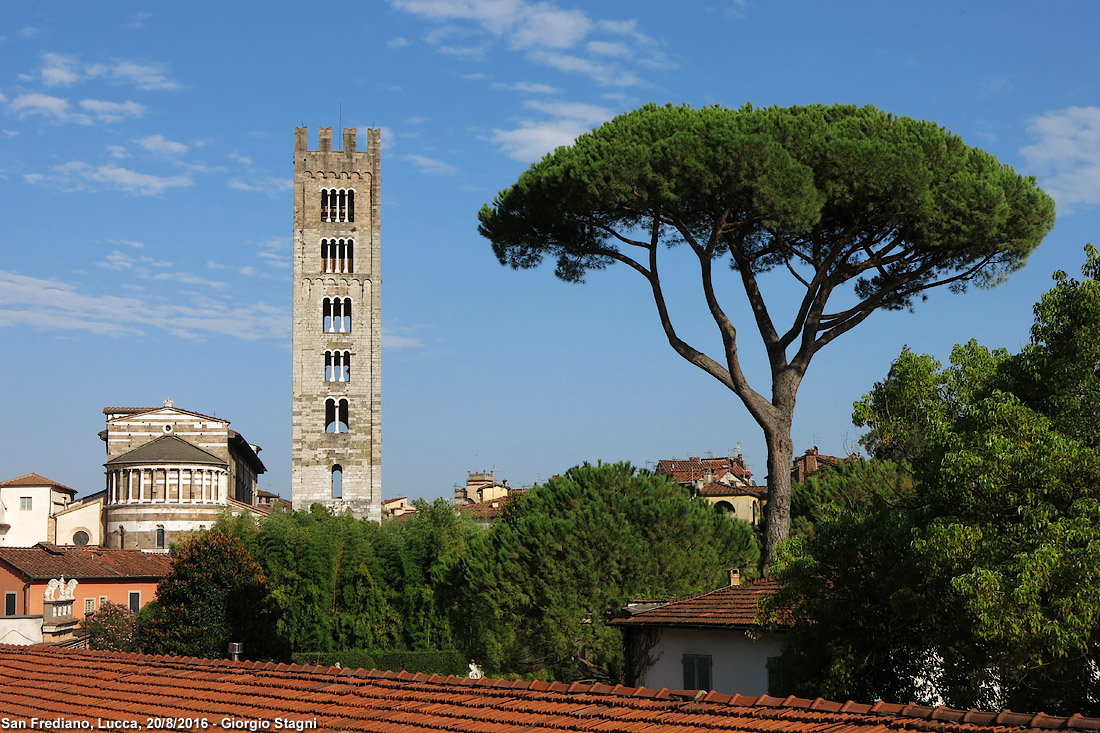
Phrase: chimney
(735, 577)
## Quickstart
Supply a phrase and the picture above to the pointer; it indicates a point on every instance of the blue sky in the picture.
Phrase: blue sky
(145, 186)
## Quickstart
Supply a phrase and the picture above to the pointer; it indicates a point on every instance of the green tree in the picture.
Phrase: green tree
(111, 628)
(214, 595)
(849, 201)
(534, 593)
(847, 486)
(984, 589)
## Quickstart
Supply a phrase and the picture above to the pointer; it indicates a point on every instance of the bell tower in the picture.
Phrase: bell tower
(336, 419)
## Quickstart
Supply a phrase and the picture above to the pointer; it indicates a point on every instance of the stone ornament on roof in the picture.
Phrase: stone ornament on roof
(168, 402)
(59, 590)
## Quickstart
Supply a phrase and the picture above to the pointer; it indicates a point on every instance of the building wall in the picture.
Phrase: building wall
(29, 527)
(358, 451)
(746, 508)
(29, 600)
(20, 631)
(87, 517)
(126, 432)
(739, 664)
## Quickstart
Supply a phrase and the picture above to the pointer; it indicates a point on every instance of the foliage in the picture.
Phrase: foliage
(847, 486)
(111, 628)
(877, 207)
(534, 594)
(984, 591)
(214, 595)
(339, 583)
(428, 661)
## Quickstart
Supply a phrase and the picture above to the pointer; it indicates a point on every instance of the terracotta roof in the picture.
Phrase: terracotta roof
(732, 606)
(81, 685)
(490, 509)
(44, 561)
(717, 489)
(168, 449)
(693, 469)
(35, 479)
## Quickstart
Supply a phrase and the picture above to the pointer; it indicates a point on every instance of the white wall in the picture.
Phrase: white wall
(27, 527)
(20, 630)
(739, 663)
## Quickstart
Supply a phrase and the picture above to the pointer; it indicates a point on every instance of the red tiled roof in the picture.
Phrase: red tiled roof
(693, 469)
(34, 479)
(490, 509)
(80, 685)
(732, 606)
(44, 561)
(717, 489)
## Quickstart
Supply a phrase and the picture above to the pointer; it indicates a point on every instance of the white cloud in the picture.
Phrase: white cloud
(431, 165)
(158, 144)
(545, 25)
(117, 151)
(248, 271)
(542, 30)
(147, 77)
(28, 32)
(10, 133)
(41, 104)
(137, 22)
(240, 158)
(35, 303)
(533, 139)
(127, 243)
(271, 185)
(275, 252)
(59, 70)
(112, 111)
(80, 176)
(398, 337)
(528, 87)
(397, 42)
(1067, 156)
(188, 279)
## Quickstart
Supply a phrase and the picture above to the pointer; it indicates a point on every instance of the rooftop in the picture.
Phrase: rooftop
(45, 561)
(732, 606)
(34, 479)
(683, 470)
(81, 685)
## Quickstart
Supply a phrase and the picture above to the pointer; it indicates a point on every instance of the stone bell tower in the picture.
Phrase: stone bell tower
(336, 424)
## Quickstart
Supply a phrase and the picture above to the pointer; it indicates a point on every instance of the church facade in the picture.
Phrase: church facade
(336, 387)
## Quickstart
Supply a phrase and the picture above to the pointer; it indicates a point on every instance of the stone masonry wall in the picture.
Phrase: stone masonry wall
(314, 452)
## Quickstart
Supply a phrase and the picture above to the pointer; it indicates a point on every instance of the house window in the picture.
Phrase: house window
(336, 315)
(135, 601)
(81, 538)
(336, 415)
(337, 482)
(89, 606)
(160, 538)
(337, 366)
(773, 675)
(9, 603)
(337, 255)
(697, 671)
(25, 503)
(102, 601)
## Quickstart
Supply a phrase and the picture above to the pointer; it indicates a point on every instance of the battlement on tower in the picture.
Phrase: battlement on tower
(324, 140)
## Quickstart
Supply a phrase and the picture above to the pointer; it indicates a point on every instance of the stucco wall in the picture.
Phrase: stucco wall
(739, 664)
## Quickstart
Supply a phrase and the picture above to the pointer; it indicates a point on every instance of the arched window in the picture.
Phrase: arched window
(336, 315)
(336, 415)
(121, 538)
(337, 255)
(337, 366)
(337, 204)
(81, 538)
(337, 482)
(160, 536)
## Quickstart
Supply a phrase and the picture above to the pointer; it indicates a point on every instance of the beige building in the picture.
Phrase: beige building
(170, 472)
(336, 432)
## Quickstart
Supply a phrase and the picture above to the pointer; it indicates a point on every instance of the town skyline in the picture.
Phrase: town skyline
(147, 178)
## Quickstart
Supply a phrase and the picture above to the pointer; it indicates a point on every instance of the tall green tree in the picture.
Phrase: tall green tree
(985, 589)
(214, 595)
(534, 593)
(850, 202)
